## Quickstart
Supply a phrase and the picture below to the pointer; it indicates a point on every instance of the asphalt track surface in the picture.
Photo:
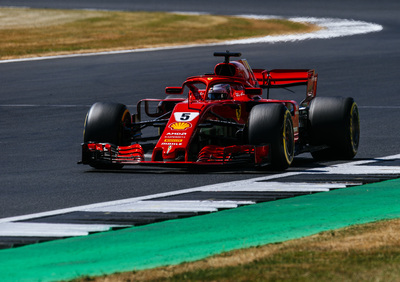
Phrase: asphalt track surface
(43, 103)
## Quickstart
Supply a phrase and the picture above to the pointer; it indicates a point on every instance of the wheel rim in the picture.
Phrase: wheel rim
(125, 122)
(288, 140)
(354, 128)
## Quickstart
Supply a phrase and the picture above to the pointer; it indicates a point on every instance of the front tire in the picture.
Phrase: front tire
(106, 123)
(334, 122)
(272, 124)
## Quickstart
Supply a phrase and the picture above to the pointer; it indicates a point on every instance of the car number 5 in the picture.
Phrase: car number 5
(185, 116)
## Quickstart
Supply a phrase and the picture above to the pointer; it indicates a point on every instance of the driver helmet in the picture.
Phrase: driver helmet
(219, 92)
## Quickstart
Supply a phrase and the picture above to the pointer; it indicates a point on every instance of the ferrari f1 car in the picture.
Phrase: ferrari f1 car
(222, 119)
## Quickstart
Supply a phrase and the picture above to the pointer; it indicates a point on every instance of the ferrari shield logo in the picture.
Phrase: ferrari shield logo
(239, 112)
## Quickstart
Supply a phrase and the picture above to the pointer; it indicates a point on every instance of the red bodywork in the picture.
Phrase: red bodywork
(197, 130)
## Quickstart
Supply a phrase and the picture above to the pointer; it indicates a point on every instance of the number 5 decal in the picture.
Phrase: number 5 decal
(185, 116)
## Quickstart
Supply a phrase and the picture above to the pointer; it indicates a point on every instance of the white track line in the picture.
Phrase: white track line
(170, 206)
(257, 186)
(243, 183)
(331, 28)
(50, 229)
(356, 167)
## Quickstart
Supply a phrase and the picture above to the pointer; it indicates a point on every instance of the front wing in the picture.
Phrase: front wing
(104, 153)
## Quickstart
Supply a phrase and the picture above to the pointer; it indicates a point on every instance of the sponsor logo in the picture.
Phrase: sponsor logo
(176, 134)
(171, 144)
(180, 125)
(173, 140)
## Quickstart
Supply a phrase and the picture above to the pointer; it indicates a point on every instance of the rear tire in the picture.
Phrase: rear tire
(105, 123)
(334, 122)
(272, 124)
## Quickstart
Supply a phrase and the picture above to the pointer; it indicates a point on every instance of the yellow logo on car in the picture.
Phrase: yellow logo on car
(180, 125)
(239, 112)
(173, 140)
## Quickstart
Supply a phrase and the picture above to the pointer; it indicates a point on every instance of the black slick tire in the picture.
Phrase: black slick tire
(272, 124)
(335, 123)
(105, 123)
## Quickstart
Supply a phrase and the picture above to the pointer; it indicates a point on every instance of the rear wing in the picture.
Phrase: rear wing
(280, 78)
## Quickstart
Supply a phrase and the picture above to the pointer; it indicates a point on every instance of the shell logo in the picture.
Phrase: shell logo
(180, 125)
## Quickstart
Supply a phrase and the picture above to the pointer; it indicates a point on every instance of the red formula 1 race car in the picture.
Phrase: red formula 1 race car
(221, 119)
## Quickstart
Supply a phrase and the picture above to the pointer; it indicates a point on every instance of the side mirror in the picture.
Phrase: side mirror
(174, 90)
(253, 91)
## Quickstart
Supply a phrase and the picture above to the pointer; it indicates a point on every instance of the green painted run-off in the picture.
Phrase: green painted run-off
(176, 241)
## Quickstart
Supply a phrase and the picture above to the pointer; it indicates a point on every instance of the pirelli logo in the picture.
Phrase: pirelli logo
(173, 140)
